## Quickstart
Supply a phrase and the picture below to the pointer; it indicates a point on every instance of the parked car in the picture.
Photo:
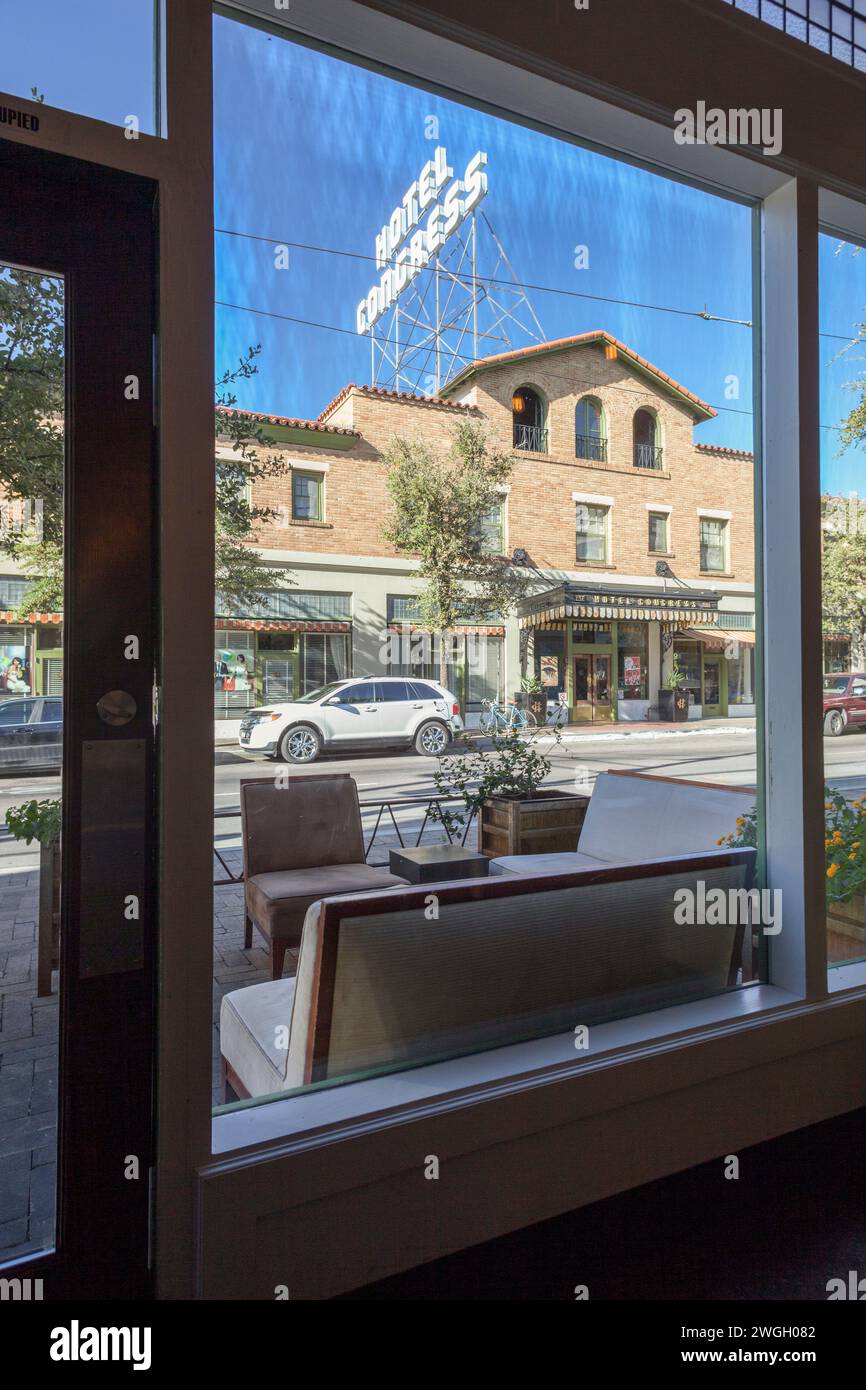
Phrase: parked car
(844, 702)
(365, 712)
(31, 731)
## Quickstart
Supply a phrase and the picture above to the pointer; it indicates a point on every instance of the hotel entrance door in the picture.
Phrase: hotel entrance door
(591, 688)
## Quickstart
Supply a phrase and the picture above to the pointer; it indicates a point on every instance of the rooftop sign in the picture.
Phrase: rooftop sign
(419, 227)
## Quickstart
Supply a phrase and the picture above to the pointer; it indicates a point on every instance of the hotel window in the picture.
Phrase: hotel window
(714, 545)
(658, 533)
(307, 497)
(591, 525)
(590, 436)
(492, 529)
(647, 443)
(527, 411)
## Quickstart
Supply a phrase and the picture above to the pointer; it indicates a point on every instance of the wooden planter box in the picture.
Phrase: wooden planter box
(548, 824)
(48, 936)
(673, 705)
(846, 930)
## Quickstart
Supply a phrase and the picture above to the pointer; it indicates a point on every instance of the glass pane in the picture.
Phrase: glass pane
(842, 285)
(96, 58)
(31, 739)
(421, 411)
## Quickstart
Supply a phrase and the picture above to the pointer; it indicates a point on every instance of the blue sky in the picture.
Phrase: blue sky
(311, 150)
(315, 151)
(94, 57)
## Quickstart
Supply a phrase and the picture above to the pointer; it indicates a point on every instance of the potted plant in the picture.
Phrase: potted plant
(673, 699)
(40, 820)
(537, 699)
(845, 861)
(502, 785)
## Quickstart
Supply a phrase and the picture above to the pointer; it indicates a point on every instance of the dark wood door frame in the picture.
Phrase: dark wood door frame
(98, 229)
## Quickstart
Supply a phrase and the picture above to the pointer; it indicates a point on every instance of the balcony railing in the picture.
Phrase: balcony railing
(530, 437)
(648, 456)
(590, 446)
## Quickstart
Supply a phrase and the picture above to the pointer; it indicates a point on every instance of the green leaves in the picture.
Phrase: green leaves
(439, 507)
(513, 767)
(35, 820)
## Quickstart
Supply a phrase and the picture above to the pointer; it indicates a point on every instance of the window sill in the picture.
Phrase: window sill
(244, 1126)
(316, 525)
(593, 565)
(716, 574)
(661, 554)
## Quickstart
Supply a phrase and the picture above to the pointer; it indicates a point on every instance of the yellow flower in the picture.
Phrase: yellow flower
(856, 844)
(740, 821)
(833, 870)
(837, 836)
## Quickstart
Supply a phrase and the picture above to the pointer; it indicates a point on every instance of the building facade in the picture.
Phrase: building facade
(637, 541)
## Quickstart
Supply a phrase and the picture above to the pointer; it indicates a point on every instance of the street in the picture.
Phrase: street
(713, 755)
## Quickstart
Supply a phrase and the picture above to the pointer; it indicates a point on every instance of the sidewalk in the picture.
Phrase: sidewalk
(226, 731)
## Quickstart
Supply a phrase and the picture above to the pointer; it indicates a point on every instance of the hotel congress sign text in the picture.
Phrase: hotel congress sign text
(419, 227)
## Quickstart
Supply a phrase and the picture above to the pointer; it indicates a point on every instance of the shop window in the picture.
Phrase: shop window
(591, 526)
(647, 444)
(307, 497)
(740, 664)
(325, 657)
(550, 662)
(633, 645)
(527, 412)
(688, 656)
(714, 545)
(234, 672)
(658, 533)
(590, 436)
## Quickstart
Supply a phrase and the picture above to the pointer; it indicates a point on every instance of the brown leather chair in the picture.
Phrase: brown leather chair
(302, 841)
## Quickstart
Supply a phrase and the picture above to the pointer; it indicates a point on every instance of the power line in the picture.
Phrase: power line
(492, 280)
(348, 332)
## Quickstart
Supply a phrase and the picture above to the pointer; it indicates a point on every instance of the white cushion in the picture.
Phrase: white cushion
(249, 1023)
(636, 819)
(563, 863)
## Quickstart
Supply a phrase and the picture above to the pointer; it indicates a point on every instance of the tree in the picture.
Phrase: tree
(440, 506)
(31, 452)
(843, 585)
(843, 560)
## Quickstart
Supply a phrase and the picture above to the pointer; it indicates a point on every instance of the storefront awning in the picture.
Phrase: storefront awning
(718, 637)
(569, 601)
(277, 625)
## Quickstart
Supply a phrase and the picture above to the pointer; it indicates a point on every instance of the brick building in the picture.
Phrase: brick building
(639, 543)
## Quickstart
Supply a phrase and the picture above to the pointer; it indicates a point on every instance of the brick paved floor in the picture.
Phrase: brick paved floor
(28, 1033)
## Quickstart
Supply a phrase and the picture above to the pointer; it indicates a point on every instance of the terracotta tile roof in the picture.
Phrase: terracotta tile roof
(721, 449)
(286, 420)
(385, 394)
(580, 339)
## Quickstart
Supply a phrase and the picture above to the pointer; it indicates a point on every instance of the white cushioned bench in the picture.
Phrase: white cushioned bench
(380, 985)
(635, 818)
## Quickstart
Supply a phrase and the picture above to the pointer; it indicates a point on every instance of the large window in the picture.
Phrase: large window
(505, 393)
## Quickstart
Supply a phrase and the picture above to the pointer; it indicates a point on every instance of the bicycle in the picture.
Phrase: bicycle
(508, 717)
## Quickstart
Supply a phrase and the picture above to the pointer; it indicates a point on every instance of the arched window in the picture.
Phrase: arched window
(647, 445)
(527, 412)
(590, 434)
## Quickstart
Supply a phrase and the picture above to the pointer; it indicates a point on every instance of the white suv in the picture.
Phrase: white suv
(365, 712)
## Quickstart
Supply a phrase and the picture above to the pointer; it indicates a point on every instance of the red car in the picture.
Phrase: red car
(844, 701)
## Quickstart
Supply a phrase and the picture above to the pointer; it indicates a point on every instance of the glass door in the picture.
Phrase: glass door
(77, 730)
(712, 680)
(591, 688)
